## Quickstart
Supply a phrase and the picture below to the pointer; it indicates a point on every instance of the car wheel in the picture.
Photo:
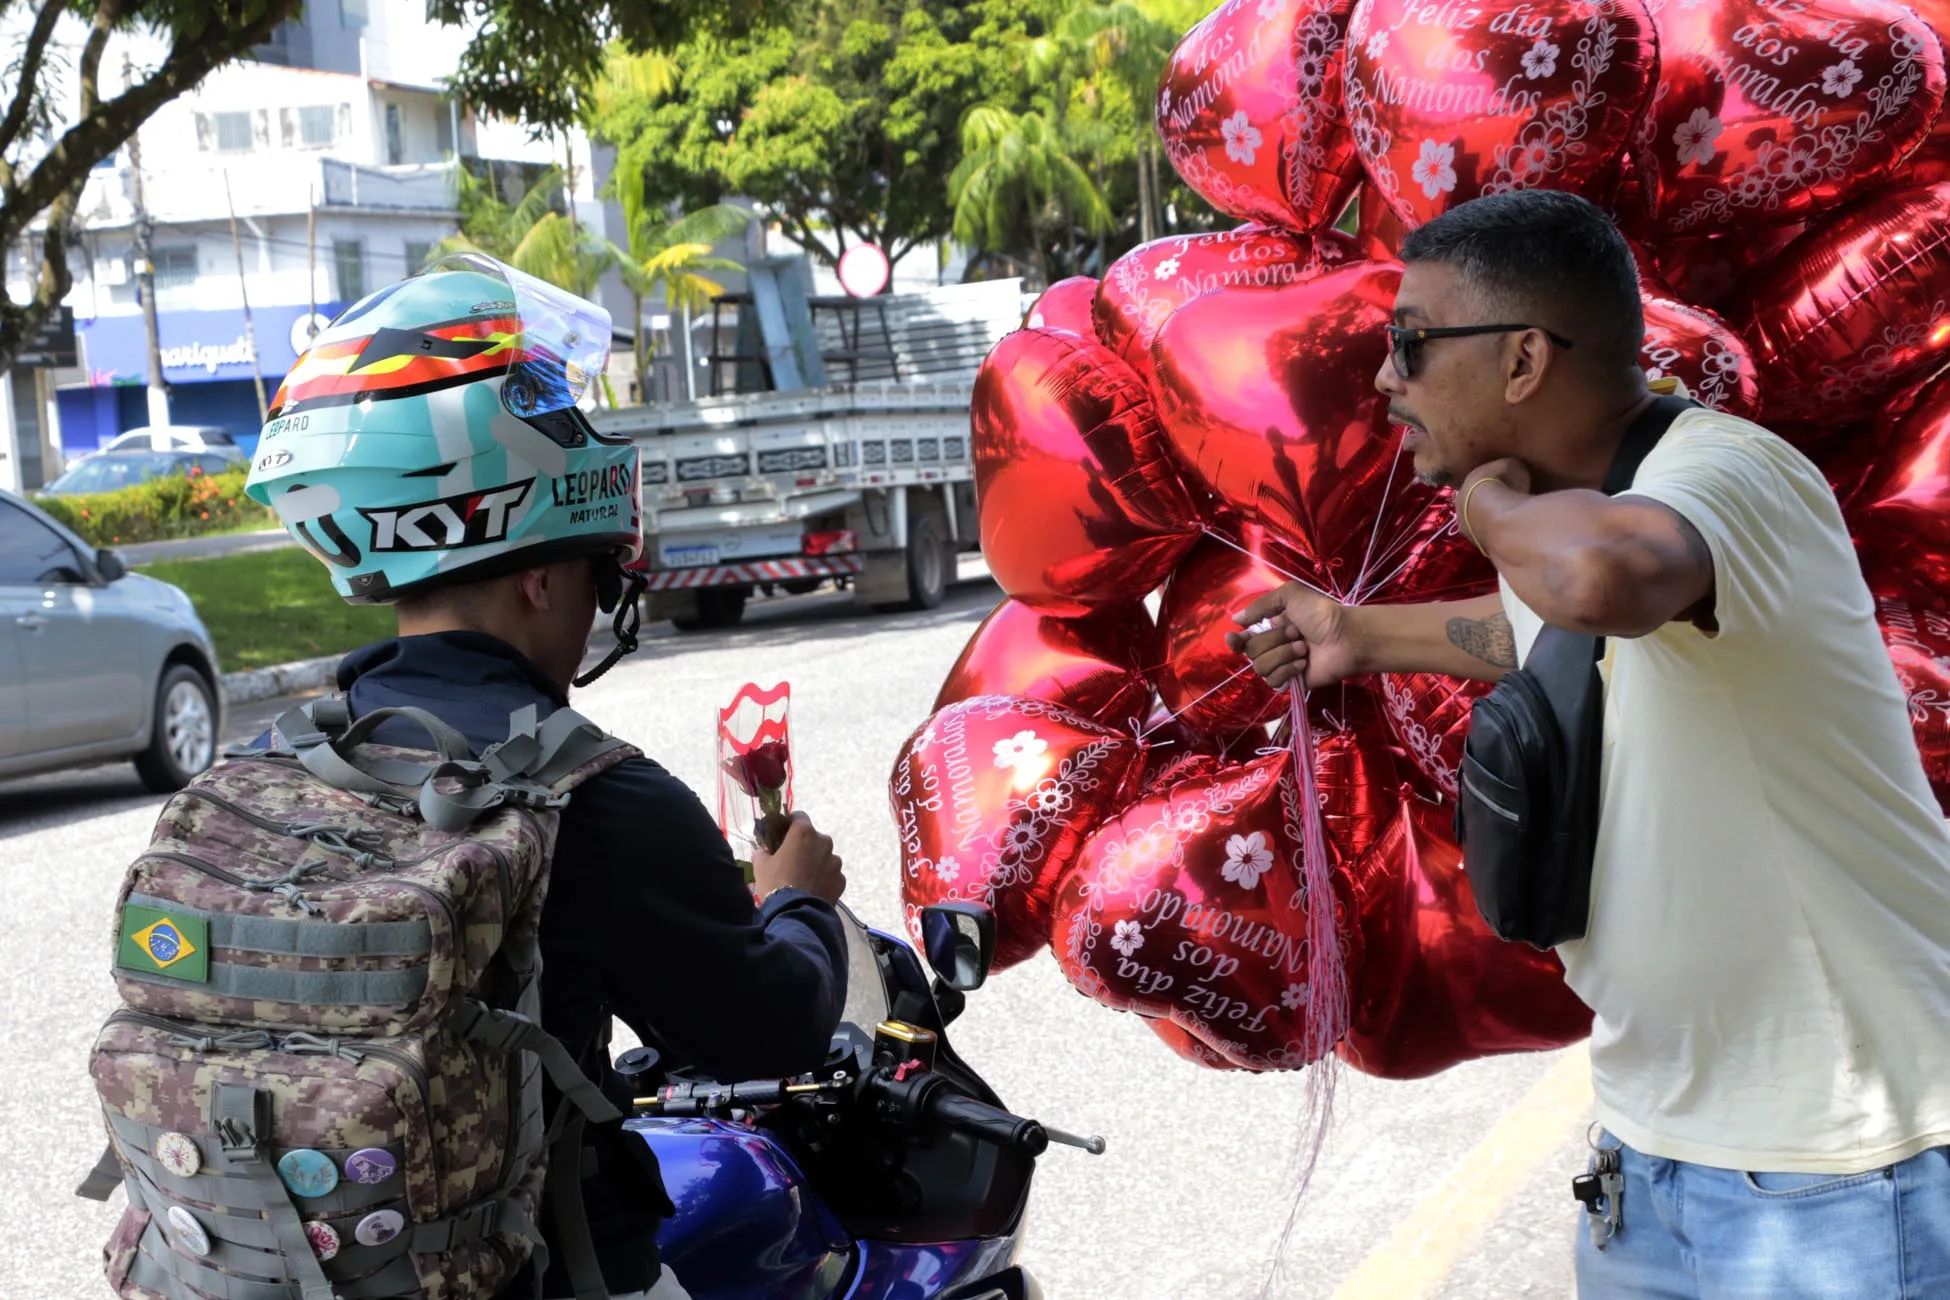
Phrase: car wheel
(183, 740)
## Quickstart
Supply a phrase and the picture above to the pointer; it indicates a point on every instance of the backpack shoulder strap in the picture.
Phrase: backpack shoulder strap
(1641, 438)
(558, 753)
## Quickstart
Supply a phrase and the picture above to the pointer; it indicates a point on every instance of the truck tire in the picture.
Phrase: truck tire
(716, 607)
(927, 564)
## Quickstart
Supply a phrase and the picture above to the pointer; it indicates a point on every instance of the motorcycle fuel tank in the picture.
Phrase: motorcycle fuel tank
(746, 1220)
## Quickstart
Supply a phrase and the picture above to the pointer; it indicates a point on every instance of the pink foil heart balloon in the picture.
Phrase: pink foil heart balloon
(1448, 101)
(1250, 112)
(1767, 113)
(1267, 394)
(1065, 305)
(992, 798)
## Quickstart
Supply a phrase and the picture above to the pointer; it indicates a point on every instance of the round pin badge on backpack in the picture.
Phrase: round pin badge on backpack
(188, 1232)
(178, 1154)
(379, 1227)
(307, 1172)
(370, 1165)
(324, 1239)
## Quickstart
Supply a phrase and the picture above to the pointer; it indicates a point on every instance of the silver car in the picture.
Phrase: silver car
(97, 663)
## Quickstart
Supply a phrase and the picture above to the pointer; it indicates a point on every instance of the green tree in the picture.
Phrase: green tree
(44, 161)
(534, 235)
(668, 256)
(842, 121)
(1015, 181)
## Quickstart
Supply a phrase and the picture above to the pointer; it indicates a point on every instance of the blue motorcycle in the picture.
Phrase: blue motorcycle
(891, 1173)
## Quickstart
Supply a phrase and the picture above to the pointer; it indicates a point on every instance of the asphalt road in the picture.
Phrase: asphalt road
(1453, 1187)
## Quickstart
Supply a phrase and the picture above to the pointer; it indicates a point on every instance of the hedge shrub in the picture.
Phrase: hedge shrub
(174, 505)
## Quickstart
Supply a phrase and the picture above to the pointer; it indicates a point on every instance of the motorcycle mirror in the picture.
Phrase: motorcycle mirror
(960, 941)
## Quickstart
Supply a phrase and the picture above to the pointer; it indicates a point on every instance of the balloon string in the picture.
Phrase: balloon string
(1171, 716)
(1327, 989)
(1220, 537)
(1374, 532)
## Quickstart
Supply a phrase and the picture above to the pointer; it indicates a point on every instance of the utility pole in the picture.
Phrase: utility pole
(243, 288)
(311, 253)
(145, 269)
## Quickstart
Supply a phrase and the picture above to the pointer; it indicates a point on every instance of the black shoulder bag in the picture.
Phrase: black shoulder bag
(1527, 807)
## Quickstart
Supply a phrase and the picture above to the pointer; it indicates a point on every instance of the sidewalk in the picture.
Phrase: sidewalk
(203, 548)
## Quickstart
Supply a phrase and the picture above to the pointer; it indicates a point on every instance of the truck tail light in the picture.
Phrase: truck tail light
(840, 541)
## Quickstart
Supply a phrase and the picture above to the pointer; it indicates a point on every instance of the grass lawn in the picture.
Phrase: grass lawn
(272, 607)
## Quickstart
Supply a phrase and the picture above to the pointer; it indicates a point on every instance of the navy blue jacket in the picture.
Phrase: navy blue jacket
(648, 918)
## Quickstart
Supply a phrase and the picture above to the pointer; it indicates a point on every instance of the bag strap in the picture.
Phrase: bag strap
(241, 1122)
(1641, 438)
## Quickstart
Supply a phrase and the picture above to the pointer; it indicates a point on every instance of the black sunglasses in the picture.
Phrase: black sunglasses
(1405, 345)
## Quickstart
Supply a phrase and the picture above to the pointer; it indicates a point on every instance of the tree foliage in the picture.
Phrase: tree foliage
(44, 164)
(1023, 128)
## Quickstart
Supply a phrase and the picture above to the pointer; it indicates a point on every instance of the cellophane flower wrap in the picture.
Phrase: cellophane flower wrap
(755, 771)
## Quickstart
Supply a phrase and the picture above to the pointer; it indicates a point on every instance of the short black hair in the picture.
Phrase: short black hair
(1552, 256)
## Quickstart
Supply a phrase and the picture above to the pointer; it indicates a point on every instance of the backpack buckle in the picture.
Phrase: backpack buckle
(495, 1028)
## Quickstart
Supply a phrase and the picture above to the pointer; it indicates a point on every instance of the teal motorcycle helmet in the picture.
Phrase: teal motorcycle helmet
(434, 434)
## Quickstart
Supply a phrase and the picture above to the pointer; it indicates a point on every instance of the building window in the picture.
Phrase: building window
(443, 129)
(312, 127)
(233, 132)
(352, 13)
(395, 143)
(349, 258)
(417, 253)
(175, 268)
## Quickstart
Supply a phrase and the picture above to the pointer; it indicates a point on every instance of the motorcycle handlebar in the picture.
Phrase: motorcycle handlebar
(984, 1122)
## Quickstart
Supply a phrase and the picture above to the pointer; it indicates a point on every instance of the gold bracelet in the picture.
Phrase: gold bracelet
(1469, 532)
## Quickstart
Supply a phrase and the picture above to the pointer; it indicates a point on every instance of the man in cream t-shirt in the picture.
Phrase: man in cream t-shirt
(1768, 951)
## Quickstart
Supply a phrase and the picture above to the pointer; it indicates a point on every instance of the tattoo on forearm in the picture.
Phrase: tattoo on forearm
(1489, 639)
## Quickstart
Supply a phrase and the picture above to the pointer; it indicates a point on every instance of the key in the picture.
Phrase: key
(1585, 1187)
(1613, 1186)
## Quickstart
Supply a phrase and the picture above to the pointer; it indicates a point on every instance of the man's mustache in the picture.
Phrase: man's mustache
(1402, 416)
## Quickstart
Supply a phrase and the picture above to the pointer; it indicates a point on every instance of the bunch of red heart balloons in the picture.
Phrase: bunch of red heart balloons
(1155, 450)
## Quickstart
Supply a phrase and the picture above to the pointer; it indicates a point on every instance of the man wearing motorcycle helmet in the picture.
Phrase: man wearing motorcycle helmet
(428, 449)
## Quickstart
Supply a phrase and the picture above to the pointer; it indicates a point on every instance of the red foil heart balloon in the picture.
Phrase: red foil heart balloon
(1357, 769)
(1704, 353)
(1900, 513)
(1266, 394)
(1931, 161)
(1918, 638)
(992, 798)
(1448, 101)
(1437, 987)
(1378, 228)
(1250, 112)
(1768, 113)
(1854, 310)
(1146, 285)
(1188, 905)
(1187, 1045)
(1081, 505)
(1065, 305)
(1429, 715)
(1706, 270)
(1203, 680)
(1094, 665)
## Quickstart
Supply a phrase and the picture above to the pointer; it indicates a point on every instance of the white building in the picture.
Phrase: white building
(338, 153)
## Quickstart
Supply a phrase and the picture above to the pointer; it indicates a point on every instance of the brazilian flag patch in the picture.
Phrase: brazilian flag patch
(162, 943)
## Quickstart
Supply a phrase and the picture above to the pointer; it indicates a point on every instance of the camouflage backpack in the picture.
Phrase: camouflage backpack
(325, 1082)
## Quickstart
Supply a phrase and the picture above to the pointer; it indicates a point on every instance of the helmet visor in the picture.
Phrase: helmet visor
(563, 343)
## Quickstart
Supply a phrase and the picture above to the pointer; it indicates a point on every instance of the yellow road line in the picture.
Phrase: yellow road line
(1425, 1247)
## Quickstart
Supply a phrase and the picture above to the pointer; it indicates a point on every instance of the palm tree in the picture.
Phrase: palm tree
(530, 236)
(668, 255)
(1130, 42)
(1013, 168)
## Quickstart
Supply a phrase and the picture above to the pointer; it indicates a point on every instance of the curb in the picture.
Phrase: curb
(256, 684)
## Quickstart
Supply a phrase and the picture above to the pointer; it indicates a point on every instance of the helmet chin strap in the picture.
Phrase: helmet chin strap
(628, 619)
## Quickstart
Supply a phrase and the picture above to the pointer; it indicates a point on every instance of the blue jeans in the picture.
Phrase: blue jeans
(1691, 1232)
